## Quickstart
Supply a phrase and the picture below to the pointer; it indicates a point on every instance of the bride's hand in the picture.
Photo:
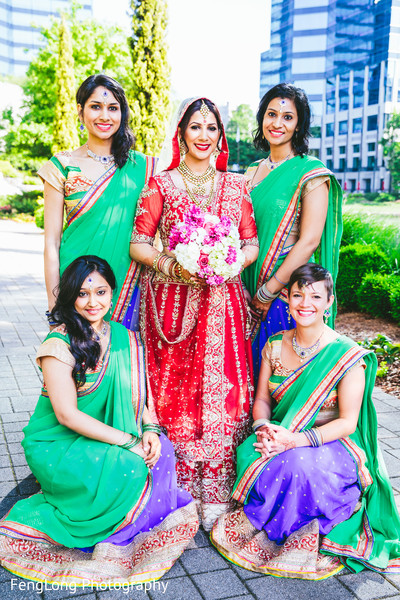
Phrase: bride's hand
(260, 307)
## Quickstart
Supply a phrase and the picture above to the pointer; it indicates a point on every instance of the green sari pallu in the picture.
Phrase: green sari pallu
(276, 202)
(370, 537)
(90, 489)
(101, 224)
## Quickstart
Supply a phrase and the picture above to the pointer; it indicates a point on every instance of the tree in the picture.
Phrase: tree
(391, 149)
(149, 96)
(65, 135)
(96, 48)
(242, 120)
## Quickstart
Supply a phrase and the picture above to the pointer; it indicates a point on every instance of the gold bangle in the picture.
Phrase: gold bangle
(155, 261)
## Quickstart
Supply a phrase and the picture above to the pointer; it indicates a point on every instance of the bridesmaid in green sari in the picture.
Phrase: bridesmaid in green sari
(297, 207)
(97, 187)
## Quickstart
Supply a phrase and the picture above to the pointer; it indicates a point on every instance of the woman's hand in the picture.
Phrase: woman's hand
(274, 439)
(258, 308)
(151, 447)
(193, 279)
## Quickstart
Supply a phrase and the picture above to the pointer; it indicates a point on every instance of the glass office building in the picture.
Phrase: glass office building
(20, 24)
(360, 88)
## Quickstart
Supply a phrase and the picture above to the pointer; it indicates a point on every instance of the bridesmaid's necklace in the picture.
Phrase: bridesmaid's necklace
(106, 160)
(304, 353)
(99, 335)
(273, 165)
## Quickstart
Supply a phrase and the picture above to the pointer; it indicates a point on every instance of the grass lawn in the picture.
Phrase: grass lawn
(384, 213)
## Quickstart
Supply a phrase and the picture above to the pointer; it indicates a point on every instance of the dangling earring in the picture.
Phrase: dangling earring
(81, 127)
(216, 153)
(327, 314)
(182, 147)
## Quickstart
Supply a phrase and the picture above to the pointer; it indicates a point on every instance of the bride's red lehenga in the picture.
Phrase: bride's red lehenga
(198, 351)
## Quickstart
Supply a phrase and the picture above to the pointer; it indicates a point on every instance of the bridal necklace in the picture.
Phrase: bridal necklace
(198, 183)
(272, 165)
(304, 353)
(106, 161)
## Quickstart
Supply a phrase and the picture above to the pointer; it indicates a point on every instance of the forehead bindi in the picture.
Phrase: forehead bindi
(282, 105)
(103, 96)
(198, 118)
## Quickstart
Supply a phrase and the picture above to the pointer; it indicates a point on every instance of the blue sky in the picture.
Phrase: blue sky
(214, 45)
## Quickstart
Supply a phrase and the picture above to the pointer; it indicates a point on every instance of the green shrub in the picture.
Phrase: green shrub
(370, 231)
(371, 196)
(26, 202)
(395, 301)
(355, 197)
(385, 197)
(7, 169)
(355, 261)
(373, 295)
(39, 213)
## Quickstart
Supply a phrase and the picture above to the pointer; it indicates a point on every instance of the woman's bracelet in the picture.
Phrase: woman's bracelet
(50, 319)
(120, 441)
(154, 427)
(259, 423)
(164, 264)
(264, 295)
(134, 441)
(278, 280)
(314, 436)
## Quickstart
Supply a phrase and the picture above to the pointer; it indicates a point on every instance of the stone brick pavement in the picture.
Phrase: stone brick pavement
(201, 573)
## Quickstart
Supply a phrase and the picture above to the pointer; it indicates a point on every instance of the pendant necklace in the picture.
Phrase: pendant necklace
(273, 165)
(304, 353)
(198, 182)
(99, 335)
(106, 161)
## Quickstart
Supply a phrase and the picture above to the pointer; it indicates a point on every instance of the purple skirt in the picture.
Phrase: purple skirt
(303, 484)
(165, 497)
(278, 319)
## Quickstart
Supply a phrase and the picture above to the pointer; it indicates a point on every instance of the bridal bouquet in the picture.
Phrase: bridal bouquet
(207, 246)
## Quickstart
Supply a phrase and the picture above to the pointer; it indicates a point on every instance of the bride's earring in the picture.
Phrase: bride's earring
(182, 147)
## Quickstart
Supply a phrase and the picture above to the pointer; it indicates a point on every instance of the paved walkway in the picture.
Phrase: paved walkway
(201, 573)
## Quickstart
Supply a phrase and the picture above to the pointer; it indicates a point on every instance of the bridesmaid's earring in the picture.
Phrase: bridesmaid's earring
(327, 314)
(81, 127)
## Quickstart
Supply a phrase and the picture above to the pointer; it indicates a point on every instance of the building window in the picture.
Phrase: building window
(353, 185)
(371, 147)
(329, 129)
(342, 149)
(357, 125)
(367, 185)
(356, 163)
(329, 151)
(356, 148)
(342, 164)
(372, 124)
(343, 127)
(329, 164)
(371, 162)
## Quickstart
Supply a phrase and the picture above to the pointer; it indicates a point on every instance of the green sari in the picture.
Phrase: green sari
(97, 488)
(101, 224)
(276, 202)
(370, 537)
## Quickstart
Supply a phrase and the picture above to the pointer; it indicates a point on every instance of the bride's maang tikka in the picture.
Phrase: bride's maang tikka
(205, 111)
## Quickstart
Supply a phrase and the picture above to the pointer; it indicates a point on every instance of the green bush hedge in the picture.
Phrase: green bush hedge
(24, 203)
(373, 295)
(395, 300)
(39, 213)
(371, 231)
(355, 261)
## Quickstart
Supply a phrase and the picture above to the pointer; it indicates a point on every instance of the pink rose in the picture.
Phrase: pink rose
(203, 260)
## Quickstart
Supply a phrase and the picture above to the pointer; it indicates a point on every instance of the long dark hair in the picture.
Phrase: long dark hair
(84, 348)
(311, 273)
(194, 107)
(302, 134)
(123, 140)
